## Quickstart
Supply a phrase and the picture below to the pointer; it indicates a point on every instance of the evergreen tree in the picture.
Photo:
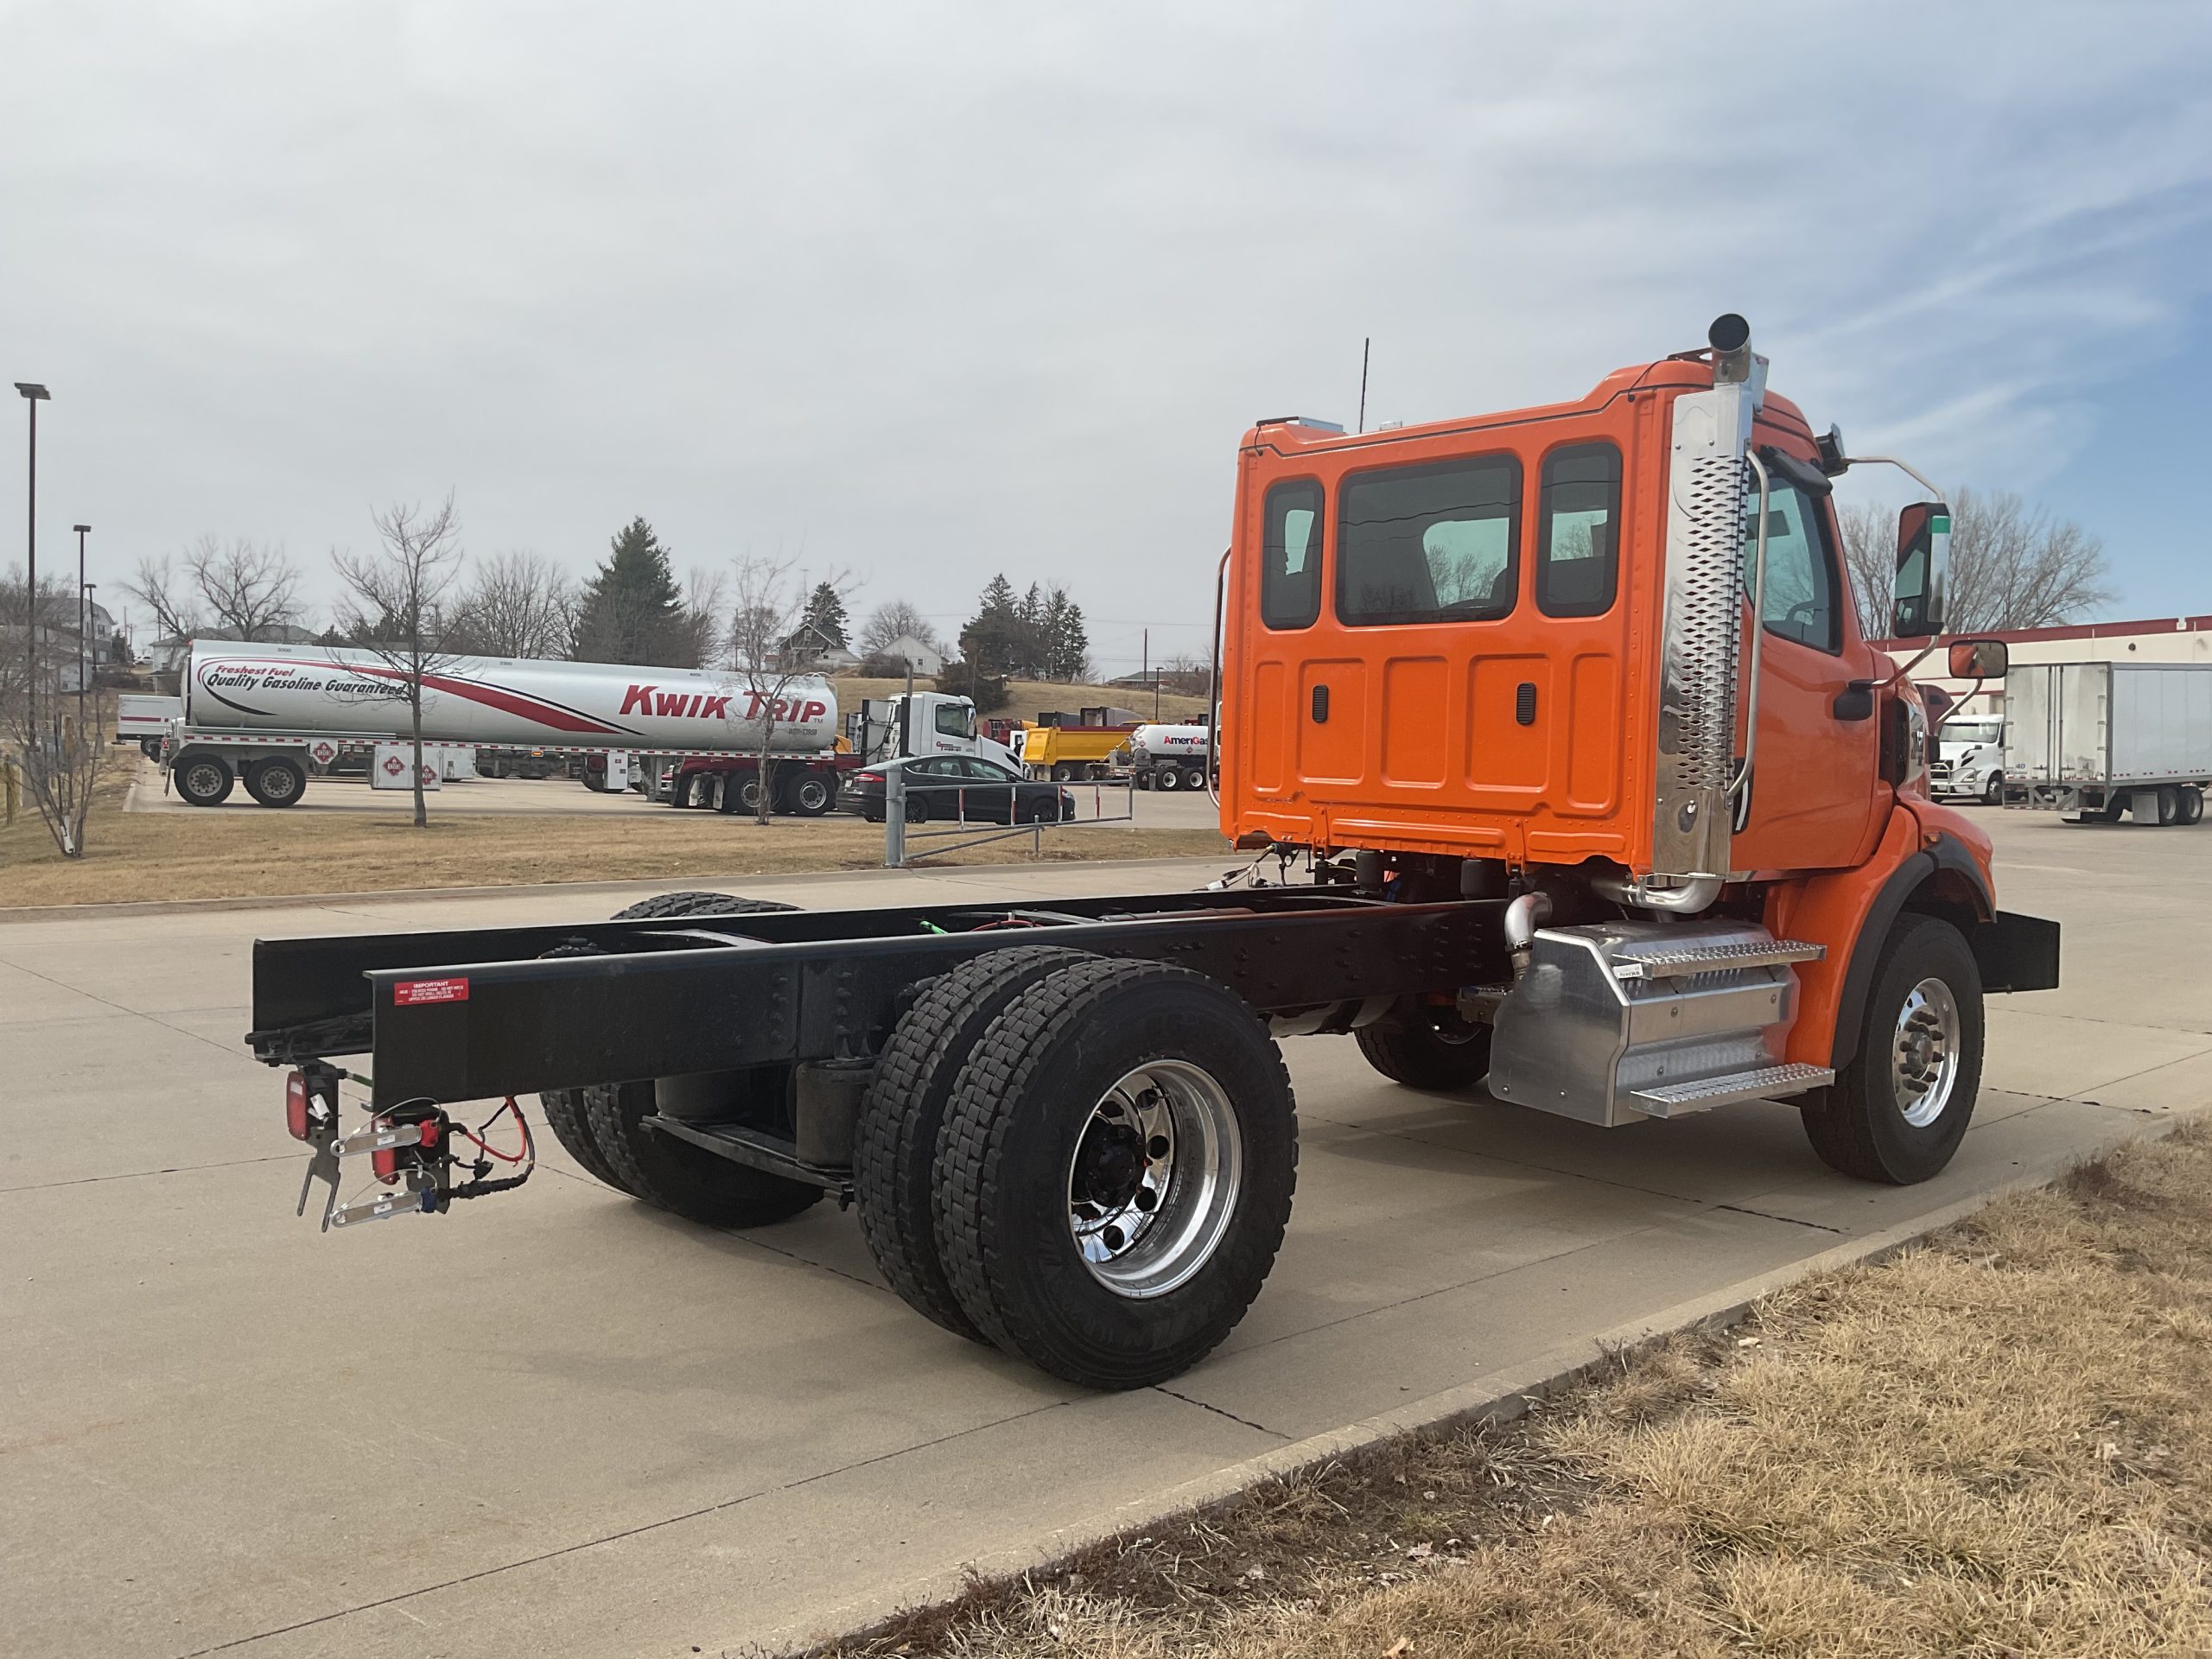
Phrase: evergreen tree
(825, 614)
(992, 638)
(632, 611)
(1066, 642)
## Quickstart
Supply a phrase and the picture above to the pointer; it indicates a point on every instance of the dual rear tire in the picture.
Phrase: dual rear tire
(1087, 1163)
(603, 1127)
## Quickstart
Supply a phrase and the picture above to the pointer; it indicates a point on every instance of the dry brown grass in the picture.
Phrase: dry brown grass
(158, 855)
(1997, 1444)
(1026, 699)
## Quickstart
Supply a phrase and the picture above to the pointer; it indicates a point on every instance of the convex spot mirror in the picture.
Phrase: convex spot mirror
(1924, 567)
(1979, 659)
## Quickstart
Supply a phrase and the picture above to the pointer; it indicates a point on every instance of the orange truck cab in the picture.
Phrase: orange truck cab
(1515, 655)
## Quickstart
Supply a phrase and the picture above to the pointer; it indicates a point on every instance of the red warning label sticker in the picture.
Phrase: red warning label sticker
(410, 992)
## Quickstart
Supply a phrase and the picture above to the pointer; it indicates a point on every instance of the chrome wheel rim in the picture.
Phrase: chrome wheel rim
(1154, 1179)
(1924, 1052)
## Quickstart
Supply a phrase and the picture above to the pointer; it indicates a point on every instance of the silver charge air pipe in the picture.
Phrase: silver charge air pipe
(1523, 918)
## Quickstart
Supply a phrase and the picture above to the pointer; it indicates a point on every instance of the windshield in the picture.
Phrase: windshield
(1982, 730)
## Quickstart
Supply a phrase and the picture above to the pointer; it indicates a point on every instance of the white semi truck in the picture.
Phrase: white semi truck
(2095, 740)
(1969, 757)
(262, 715)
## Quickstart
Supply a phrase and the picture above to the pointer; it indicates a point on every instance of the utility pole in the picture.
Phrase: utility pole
(35, 395)
(84, 624)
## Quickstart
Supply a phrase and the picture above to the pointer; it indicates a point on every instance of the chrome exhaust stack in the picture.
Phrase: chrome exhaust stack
(1700, 636)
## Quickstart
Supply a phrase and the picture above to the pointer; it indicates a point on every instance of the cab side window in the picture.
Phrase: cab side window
(1578, 531)
(1290, 555)
(955, 720)
(1801, 580)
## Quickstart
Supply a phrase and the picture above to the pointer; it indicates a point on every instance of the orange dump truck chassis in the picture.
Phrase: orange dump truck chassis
(1605, 805)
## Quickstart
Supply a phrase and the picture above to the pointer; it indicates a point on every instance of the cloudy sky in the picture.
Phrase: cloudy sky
(929, 292)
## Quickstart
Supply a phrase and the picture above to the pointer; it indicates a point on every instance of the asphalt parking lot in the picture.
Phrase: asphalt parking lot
(563, 1423)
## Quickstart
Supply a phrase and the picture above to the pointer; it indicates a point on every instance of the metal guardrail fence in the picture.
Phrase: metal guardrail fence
(962, 831)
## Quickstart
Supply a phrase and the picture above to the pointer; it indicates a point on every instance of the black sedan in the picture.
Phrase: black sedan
(959, 786)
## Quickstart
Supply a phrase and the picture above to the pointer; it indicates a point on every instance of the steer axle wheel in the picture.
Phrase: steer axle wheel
(1898, 1110)
(1427, 1048)
(1115, 1171)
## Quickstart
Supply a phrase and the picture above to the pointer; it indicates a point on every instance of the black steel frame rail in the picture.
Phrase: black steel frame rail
(701, 994)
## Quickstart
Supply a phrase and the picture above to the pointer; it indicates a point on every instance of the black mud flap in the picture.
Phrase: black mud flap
(2015, 952)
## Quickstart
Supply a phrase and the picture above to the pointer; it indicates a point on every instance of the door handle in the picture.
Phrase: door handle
(1854, 702)
(1320, 705)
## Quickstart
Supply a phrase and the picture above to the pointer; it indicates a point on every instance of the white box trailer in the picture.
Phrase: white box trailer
(2096, 740)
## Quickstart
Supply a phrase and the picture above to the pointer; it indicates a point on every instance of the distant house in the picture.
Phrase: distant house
(927, 660)
(811, 648)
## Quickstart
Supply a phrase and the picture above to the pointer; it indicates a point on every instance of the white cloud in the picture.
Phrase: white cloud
(935, 291)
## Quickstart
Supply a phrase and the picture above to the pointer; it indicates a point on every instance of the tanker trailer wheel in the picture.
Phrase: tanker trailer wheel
(1167, 778)
(894, 1144)
(1427, 1047)
(567, 1111)
(811, 795)
(278, 781)
(1899, 1110)
(1194, 778)
(203, 779)
(1115, 1171)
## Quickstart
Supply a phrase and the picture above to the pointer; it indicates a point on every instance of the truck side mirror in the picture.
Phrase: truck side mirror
(1979, 659)
(1923, 567)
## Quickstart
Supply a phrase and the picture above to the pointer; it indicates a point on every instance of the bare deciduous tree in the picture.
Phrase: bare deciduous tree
(771, 596)
(237, 589)
(2012, 566)
(517, 604)
(58, 741)
(893, 620)
(697, 632)
(393, 604)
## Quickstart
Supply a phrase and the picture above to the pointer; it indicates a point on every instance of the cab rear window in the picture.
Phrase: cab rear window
(1290, 555)
(1433, 544)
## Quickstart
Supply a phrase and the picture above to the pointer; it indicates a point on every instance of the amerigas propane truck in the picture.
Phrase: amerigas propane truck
(260, 714)
(1603, 798)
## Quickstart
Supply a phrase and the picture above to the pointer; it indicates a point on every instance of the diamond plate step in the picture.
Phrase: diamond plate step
(1664, 1100)
(1715, 959)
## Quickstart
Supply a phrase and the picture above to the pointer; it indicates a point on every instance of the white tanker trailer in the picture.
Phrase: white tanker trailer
(264, 714)
(1166, 756)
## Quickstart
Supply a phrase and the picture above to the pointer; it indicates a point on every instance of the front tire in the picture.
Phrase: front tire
(1427, 1048)
(1114, 1173)
(1992, 792)
(1898, 1110)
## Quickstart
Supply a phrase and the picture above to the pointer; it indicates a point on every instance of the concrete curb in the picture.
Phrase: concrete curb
(1498, 1396)
(664, 883)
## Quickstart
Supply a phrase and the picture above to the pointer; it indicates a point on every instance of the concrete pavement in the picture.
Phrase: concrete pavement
(563, 1423)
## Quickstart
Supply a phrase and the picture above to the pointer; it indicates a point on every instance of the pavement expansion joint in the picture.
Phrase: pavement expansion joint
(1207, 1405)
(1794, 1220)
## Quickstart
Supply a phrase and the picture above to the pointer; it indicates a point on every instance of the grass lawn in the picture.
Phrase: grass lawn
(157, 855)
(1999, 1443)
(1026, 699)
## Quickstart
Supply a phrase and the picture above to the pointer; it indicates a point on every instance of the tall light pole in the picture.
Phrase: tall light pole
(84, 624)
(35, 395)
